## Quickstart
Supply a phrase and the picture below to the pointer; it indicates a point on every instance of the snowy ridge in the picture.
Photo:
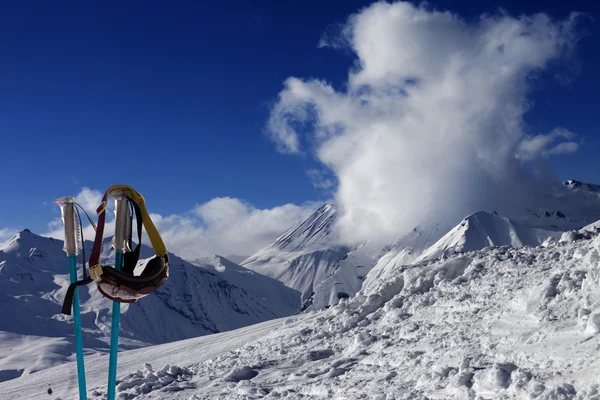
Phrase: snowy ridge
(308, 258)
(194, 301)
(573, 208)
(502, 322)
(404, 251)
(482, 229)
(344, 282)
(581, 204)
(314, 230)
(304, 256)
(576, 185)
(281, 299)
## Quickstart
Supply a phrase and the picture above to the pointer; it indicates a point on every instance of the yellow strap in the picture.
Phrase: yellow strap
(155, 239)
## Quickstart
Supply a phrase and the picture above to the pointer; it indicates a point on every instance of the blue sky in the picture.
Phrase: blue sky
(174, 100)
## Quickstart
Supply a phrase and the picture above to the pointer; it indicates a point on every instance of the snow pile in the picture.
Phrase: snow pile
(512, 322)
(501, 322)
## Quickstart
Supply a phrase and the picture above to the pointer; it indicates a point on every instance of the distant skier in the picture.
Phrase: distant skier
(49, 389)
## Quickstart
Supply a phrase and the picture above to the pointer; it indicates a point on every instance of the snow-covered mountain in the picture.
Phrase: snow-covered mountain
(195, 300)
(475, 232)
(308, 258)
(483, 229)
(215, 294)
(306, 253)
(576, 185)
(573, 208)
(281, 299)
(497, 323)
(580, 205)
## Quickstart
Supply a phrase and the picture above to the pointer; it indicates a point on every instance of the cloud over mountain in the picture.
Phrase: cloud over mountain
(430, 123)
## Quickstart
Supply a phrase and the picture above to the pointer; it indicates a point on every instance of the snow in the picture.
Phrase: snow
(35, 335)
(135, 367)
(308, 258)
(495, 307)
(483, 229)
(573, 185)
(280, 299)
(500, 322)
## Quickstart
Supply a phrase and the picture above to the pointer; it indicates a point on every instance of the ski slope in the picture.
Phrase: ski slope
(501, 322)
(63, 378)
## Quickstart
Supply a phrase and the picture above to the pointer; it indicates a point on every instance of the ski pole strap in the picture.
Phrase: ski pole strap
(130, 261)
(138, 199)
(68, 302)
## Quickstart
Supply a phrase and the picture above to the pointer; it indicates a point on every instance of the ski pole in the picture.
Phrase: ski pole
(72, 249)
(121, 246)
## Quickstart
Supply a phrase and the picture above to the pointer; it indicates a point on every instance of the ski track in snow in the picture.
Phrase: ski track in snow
(63, 378)
(499, 323)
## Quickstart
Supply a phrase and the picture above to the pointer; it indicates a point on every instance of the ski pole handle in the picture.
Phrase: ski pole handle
(67, 213)
(122, 220)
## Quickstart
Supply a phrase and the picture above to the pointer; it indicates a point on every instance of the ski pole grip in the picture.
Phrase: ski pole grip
(120, 242)
(67, 213)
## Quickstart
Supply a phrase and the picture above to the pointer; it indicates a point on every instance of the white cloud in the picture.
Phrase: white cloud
(563, 148)
(430, 126)
(90, 199)
(544, 145)
(320, 180)
(6, 233)
(231, 226)
(222, 226)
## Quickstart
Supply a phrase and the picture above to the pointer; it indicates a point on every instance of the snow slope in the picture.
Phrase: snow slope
(404, 251)
(306, 256)
(502, 322)
(194, 301)
(281, 300)
(482, 229)
(345, 279)
(475, 232)
(62, 379)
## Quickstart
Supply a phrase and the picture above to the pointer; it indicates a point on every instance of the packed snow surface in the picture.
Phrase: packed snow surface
(501, 322)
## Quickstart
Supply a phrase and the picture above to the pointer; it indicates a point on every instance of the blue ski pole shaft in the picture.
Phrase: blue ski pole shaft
(78, 335)
(114, 338)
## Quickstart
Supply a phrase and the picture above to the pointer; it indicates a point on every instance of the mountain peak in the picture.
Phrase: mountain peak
(483, 229)
(574, 184)
(18, 239)
(314, 229)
